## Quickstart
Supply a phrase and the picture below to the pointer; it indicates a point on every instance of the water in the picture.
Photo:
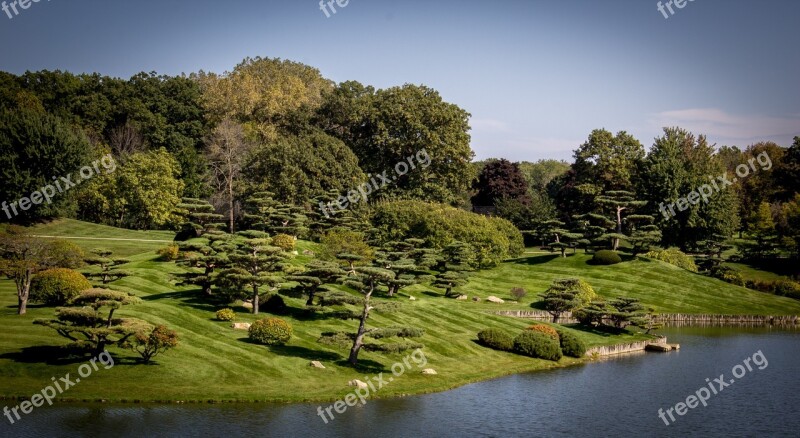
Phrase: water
(619, 396)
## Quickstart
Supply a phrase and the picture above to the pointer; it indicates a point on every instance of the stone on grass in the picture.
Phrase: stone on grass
(412, 298)
(317, 364)
(462, 297)
(241, 326)
(494, 299)
(429, 371)
(358, 384)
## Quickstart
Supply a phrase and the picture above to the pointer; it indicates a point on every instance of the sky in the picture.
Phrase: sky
(537, 76)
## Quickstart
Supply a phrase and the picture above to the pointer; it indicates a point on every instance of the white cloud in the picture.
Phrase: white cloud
(720, 125)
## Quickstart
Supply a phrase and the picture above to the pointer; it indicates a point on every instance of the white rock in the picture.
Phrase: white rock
(241, 326)
(357, 383)
(317, 364)
(494, 299)
(429, 371)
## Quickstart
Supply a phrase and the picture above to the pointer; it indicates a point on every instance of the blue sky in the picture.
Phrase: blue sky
(537, 75)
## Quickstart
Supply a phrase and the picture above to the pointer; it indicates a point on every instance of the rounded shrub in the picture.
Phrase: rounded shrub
(270, 331)
(284, 242)
(226, 315)
(275, 304)
(788, 288)
(538, 345)
(55, 287)
(674, 257)
(606, 257)
(496, 339)
(571, 345)
(169, 253)
(546, 329)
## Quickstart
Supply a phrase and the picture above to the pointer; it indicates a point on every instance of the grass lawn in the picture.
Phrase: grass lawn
(214, 362)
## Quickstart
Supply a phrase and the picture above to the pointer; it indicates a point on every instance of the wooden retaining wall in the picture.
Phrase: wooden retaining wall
(673, 319)
(610, 350)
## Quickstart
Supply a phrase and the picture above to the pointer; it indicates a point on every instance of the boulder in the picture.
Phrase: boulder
(429, 371)
(494, 299)
(462, 297)
(358, 384)
(241, 326)
(412, 298)
(317, 364)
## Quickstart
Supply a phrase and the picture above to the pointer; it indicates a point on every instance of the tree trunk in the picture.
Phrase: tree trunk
(230, 205)
(23, 295)
(22, 308)
(255, 300)
(362, 329)
(555, 317)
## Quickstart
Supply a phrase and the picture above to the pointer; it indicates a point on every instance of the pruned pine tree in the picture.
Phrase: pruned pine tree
(204, 257)
(108, 265)
(254, 263)
(457, 260)
(316, 274)
(616, 202)
(199, 217)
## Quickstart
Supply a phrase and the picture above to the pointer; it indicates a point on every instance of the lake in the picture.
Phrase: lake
(618, 396)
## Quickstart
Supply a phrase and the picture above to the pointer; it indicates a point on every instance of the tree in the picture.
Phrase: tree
(365, 280)
(566, 295)
(297, 167)
(22, 256)
(149, 345)
(500, 180)
(85, 324)
(141, 194)
(199, 217)
(764, 234)
(456, 261)
(254, 262)
(385, 127)
(316, 274)
(618, 201)
(347, 245)
(405, 259)
(264, 213)
(108, 266)
(203, 257)
(226, 149)
(36, 148)
(608, 161)
(626, 311)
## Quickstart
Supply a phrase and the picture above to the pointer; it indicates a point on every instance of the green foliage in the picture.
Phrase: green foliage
(55, 287)
(393, 347)
(275, 305)
(675, 257)
(88, 327)
(496, 339)
(606, 257)
(142, 194)
(518, 293)
(571, 345)
(284, 242)
(225, 315)
(336, 339)
(546, 329)
(34, 148)
(169, 253)
(270, 331)
(492, 239)
(788, 288)
(728, 274)
(537, 345)
(149, 345)
(400, 332)
(345, 242)
(385, 127)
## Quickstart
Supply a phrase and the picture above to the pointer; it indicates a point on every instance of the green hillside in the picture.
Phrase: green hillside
(214, 362)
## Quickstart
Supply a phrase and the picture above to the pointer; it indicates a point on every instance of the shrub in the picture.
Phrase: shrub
(606, 257)
(496, 339)
(275, 304)
(538, 345)
(571, 345)
(149, 345)
(270, 331)
(492, 239)
(336, 339)
(729, 275)
(394, 347)
(788, 288)
(226, 315)
(55, 287)
(169, 253)
(284, 242)
(674, 257)
(518, 293)
(546, 329)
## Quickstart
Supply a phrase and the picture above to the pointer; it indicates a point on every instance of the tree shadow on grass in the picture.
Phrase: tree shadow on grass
(535, 260)
(603, 331)
(49, 354)
(190, 298)
(297, 351)
(365, 366)
(431, 293)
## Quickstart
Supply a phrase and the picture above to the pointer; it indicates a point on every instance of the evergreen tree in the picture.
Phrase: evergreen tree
(199, 217)
(108, 265)
(456, 261)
